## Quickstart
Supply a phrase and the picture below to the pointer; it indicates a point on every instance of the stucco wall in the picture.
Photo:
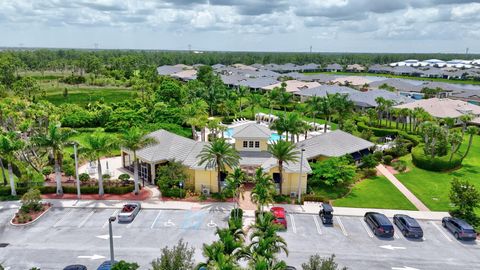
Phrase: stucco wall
(263, 145)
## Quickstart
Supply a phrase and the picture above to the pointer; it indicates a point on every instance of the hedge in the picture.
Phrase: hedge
(382, 132)
(174, 193)
(5, 191)
(314, 198)
(436, 164)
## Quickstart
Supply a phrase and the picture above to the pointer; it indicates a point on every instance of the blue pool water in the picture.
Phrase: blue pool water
(274, 137)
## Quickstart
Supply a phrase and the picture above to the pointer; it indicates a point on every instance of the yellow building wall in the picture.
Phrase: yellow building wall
(290, 181)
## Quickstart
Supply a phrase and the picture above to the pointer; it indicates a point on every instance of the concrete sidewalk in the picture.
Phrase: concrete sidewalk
(403, 189)
(307, 208)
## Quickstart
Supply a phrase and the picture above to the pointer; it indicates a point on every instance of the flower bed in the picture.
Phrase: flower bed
(23, 218)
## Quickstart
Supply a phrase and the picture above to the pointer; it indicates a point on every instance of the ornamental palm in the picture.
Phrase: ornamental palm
(219, 154)
(255, 100)
(264, 189)
(314, 106)
(284, 152)
(96, 145)
(472, 131)
(55, 140)
(9, 145)
(234, 184)
(134, 139)
(193, 112)
(217, 259)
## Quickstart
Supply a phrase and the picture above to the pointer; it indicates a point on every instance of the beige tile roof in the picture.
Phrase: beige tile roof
(252, 131)
(443, 107)
(293, 85)
(353, 80)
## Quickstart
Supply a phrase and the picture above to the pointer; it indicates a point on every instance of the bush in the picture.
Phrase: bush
(436, 164)
(378, 155)
(399, 165)
(84, 177)
(387, 159)
(106, 176)
(369, 161)
(46, 171)
(124, 177)
(382, 132)
(368, 172)
(278, 198)
(236, 212)
(73, 79)
(174, 193)
(314, 198)
(31, 201)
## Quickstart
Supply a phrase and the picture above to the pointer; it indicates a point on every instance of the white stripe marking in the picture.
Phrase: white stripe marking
(441, 231)
(114, 214)
(341, 226)
(134, 218)
(395, 235)
(156, 218)
(86, 219)
(62, 219)
(369, 232)
(315, 219)
(292, 220)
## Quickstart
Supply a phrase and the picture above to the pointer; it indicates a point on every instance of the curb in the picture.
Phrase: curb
(30, 222)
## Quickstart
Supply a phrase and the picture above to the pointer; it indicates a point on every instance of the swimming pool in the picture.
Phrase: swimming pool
(273, 138)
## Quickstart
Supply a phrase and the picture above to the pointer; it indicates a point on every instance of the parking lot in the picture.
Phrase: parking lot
(65, 236)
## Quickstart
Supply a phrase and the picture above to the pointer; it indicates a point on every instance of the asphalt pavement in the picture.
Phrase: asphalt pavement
(80, 235)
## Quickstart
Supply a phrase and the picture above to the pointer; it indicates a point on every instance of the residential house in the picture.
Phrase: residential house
(293, 85)
(333, 68)
(355, 68)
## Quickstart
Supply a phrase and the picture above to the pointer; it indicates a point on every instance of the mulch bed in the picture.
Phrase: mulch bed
(142, 196)
(33, 215)
(196, 199)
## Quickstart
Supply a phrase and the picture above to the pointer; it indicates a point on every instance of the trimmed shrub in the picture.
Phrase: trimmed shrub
(84, 177)
(436, 164)
(124, 177)
(236, 212)
(378, 155)
(387, 159)
(382, 132)
(174, 193)
(368, 172)
(314, 198)
(278, 198)
(399, 165)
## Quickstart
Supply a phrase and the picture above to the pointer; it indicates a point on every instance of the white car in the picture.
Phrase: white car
(128, 213)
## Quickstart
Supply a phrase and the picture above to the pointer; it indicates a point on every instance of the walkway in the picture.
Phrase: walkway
(405, 191)
(246, 202)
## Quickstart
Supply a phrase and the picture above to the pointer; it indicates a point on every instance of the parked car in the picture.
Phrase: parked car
(75, 267)
(380, 224)
(460, 228)
(325, 213)
(279, 215)
(290, 268)
(129, 212)
(106, 265)
(408, 226)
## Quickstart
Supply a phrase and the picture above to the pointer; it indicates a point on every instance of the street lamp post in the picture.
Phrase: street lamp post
(110, 220)
(299, 192)
(75, 152)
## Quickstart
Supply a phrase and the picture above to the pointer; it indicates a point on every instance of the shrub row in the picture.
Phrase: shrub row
(436, 164)
(5, 191)
(314, 198)
(174, 193)
(382, 132)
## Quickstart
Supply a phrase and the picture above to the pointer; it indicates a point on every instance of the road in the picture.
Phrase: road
(68, 236)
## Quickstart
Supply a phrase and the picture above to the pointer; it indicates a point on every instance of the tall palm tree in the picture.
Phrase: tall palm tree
(192, 113)
(9, 145)
(465, 118)
(388, 106)
(404, 113)
(254, 99)
(242, 91)
(134, 139)
(272, 96)
(219, 155)
(264, 189)
(284, 152)
(284, 99)
(472, 131)
(342, 107)
(216, 259)
(314, 106)
(294, 125)
(234, 184)
(281, 126)
(326, 110)
(380, 108)
(95, 146)
(55, 140)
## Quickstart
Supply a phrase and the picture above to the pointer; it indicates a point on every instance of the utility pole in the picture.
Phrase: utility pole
(299, 191)
(110, 220)
(75, 152)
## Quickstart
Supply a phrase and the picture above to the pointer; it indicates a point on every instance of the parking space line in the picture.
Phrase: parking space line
(62, 219)
(156, 218)
(135, 218)
(395, 235)
(292, 220)
(114, 214)
(86, 219)
(441, 231)
(364, 225)
(315, 219)
(341, 226)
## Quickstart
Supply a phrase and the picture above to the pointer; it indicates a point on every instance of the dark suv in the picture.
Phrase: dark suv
(408, 226)
(380, 224)
(460, 228)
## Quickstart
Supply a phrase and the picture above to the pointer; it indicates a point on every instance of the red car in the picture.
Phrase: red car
(279, 214)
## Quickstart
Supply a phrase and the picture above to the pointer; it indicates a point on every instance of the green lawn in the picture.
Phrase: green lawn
(395, 76)
(84, 95)
(433, 188)
(377, 192)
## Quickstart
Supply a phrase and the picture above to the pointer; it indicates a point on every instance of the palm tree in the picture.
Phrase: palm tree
(272, 96)
(234, 184)
(242, 91)
(380, 108)
(294, 125)
(9, 145)
(193, 113)
(314, 106)
(254, 100)
(326, 110)
(388, 106)
(217, 259)
(264, 189)
(219, 154)
(134, 139)
(97, 145)
(372, 116)
(396, 113)
(465, 118)
(285, 98)
(281, 126)
(284, 152)
(472, 131)
(404, 113)
(342, 107)
(55, 139)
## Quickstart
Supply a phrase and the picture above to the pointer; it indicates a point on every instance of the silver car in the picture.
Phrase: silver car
(129, 212)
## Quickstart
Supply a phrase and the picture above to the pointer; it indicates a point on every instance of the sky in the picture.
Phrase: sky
(405, 26)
